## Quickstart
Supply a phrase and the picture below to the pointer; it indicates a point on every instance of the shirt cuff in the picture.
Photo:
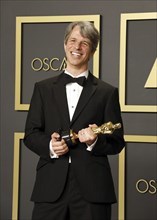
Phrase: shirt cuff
(52, 153)
(90, 147)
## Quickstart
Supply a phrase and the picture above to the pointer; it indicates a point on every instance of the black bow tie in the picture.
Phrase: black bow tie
(69, 79)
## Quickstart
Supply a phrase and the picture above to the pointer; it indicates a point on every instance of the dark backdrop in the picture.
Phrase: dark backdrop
(140, 157)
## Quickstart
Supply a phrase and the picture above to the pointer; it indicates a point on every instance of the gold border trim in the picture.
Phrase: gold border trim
(123, 49)
(121, 175)
(16, 165)
(121, 186)
(46, 19)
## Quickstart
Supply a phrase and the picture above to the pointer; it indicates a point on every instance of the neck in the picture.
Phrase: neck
(75, 71)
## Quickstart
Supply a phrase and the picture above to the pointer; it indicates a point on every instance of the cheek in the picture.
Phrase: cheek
(67, 49)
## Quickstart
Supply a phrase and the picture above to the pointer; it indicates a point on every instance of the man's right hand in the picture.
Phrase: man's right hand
(59, 146)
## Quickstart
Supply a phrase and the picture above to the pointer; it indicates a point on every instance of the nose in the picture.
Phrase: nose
(77, 45)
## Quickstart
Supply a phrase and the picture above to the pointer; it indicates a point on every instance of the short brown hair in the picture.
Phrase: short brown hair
(87, 29)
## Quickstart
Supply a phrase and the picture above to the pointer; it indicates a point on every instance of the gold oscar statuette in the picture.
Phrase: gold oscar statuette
(70, 136)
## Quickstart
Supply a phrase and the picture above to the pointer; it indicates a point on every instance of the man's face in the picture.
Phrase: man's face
(77, 50)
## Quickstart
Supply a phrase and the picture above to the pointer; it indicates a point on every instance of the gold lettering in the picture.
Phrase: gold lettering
(63, 64)
(51, 62)
(138, 186)
(152, 184)
(33, 64)
(46, 64)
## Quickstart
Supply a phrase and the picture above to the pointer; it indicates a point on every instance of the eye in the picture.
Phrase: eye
(85, 43)
(72, 40)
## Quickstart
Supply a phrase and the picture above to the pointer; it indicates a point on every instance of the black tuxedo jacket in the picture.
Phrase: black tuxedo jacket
(98, 103)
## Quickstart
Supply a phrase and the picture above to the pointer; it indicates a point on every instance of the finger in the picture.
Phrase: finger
(60, 147)
(82, 132)
(60, 153)
(61, 150)
(55, 136)
(93, 126)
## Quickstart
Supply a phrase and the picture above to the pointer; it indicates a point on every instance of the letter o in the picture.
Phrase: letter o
(138, 183)
(35, 60)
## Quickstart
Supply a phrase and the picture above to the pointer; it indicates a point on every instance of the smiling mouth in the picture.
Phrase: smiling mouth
(76, 54)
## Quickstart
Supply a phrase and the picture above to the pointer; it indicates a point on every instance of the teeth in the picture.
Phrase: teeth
(77, 54)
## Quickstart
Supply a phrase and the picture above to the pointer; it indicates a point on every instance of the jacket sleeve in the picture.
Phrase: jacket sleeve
(109, 144)
(35, 137)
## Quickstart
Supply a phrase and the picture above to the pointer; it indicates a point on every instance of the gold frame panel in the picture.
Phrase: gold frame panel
(122, 73)
(46, 19)
(121, 172)
(16, 168)
(121, 175)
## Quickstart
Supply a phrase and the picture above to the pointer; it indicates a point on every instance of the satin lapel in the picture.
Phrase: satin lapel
(87, 93)
(61, 99)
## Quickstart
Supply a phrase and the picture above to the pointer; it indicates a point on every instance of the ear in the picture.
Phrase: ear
(65, 47)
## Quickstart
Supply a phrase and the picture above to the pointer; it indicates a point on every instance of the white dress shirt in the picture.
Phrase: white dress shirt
(73, 92)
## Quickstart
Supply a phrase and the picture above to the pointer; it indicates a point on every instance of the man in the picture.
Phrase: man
(74, 181)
